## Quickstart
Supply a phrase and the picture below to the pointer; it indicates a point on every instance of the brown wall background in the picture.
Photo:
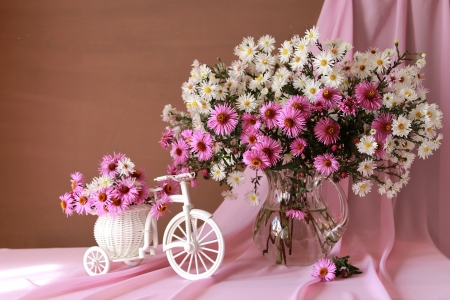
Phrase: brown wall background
(79, 79)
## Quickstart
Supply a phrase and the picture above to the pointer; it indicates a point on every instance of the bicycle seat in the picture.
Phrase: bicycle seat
(178, 177)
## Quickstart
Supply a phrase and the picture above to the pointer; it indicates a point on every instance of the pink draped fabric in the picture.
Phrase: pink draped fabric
(398, 244)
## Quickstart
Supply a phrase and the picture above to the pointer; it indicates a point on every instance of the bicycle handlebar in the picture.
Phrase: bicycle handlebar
(178, 177)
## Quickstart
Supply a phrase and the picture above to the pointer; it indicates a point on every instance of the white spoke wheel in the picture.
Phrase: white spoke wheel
(96, 261)
(133, 262)
(207, 251)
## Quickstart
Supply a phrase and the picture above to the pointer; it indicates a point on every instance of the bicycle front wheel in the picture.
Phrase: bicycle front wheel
(207, 249)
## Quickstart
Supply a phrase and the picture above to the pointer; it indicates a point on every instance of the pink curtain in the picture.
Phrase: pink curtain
(399, 244)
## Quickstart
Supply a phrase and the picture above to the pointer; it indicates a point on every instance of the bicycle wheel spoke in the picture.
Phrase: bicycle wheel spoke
(182, 230)
(190, 263)
(209, 242)
(209, 249)
(179, 254)
(178, 238)
(212, 230)
(196, 263)
(201, 230)
(201, 260)
(206, 256)
(184, 259)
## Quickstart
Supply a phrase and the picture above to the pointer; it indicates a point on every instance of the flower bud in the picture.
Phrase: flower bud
(344, 274)
(334, 148)
(423, 55)
(344, 175)
(396, 42)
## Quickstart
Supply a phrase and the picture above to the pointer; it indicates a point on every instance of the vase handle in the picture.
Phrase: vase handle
(342, 222)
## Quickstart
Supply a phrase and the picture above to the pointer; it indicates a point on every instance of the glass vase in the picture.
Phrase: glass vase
(306, 237)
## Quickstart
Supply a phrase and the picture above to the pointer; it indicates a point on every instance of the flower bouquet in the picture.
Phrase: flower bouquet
(307, 112)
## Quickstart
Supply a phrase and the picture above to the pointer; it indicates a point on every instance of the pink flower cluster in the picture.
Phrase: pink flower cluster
(118, 186)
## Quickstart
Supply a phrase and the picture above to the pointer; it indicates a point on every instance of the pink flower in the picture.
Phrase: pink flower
(102, 199)
(192, 182)
(108, 164)
(250, 121)
(126, 190)
(161, 207)
(330, 96)
(319, 105)
(270, 147)
(383, 126)
(77, 180)
(326, 164)
(324, 269)
(300, 104)
(367, 96)
(169, 187)
(201, 144)
(139, 175)
(82, 203)
(223, 119)
(116, 206)
(187, 135)
(143, 193)
(166, 138)
(66, 203)
(256, 159)
(269, 113)
(291, 121)
(327, 131)
(296, 214)
(348, 106)
(380, 153)
(172, 169)
(180, 151)
(298, 146)
(250, 136)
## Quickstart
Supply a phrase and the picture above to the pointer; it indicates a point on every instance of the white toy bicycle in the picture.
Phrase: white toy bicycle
(193, 242)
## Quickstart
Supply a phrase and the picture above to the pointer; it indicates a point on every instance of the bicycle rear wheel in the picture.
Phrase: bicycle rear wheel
(207, 251)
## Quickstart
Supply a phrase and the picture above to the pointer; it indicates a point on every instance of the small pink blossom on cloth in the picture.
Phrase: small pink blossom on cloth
(324, 269)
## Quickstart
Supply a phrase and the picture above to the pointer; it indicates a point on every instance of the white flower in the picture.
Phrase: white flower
(252, 198)
(323, 62)
(217, 172)
(389, 144)
(105, 181)
(381, 60)
(367, 145)
(408, 93)
(235, 179)
(401, 126)
(285, 52)
(311, 89)
(237, 69)
(266, 43)
(425, 150)
(247, 49)
(246, 102)
(282, 73)
(277, 85)
(420, 63)
(436, 143)
(334, 78)
(229, 195)
(361, 188)
(366, 167)
(125, 166)
(390, 52)
(298, 60)
(221, 92)
(193, 103)
(264, 62)
(408, 159)
(259, 81)
(312, 35)
(300, 82)
(420, 111)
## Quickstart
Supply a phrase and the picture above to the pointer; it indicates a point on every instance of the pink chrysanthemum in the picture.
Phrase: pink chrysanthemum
(330, 96)
(166, 138)
(300, 104)
(250, 136)
(66, 203)
(192, 182)
(143, 192)
(161, 207)
(383, 126)
(223, 119)
(348, 106)
(250, 121)
(324, 269)
(270, 147)
(201, 144)
(367, 96)
(256, 159)
(139, 175)
(102, 199)
(116, 206)
(380, 153)
(82, 204)
(77, 180)
(290, 121)
(319, 105)
(187, 135)
(180, 151)
(327, 131)
(326, 164)
(172, 169)
(126, 190)
(108, 164)
(169, 187)
(296, 214)
(298, 146)
(269, 113)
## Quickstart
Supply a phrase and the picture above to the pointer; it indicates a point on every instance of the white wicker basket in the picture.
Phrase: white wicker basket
(122, 236)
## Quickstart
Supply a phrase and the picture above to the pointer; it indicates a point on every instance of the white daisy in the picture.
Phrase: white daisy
(277, 84)
(300, 81)
(231, 84)
(229, 195)
(207, 90)
(390, 52)
(366, 167)
(401, 126)
(285, 52)
(312, 35)
(193, 103)
(248, 49)
(361, 68)
(246, 102)
(235, 179)
(323, 62)
(419, 112)
(425, 150)
(408, 159)
(420, 63)
(408, 93)
(266, 43)
(436, 143)
(264, 62)
(302, 45)
(333, 79)
(221, 92)
(381, 60)
(125, 166)
(217, 172)
(404, 178)
(259, 81)
(311, 89)
(238, 69)
(298, 60)
(204, 71)
(188, 87)
(434, 115)
(252, 198)
(105, 181)
(367, 145)
(361, 188)
(283, 73)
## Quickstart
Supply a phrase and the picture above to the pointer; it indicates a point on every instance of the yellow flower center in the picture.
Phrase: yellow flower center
(312, 90)
(333, 77)
(288, 122)
(379, 62)
(323, 62)
(327, 163)
(323, 271)
(222, 118)
(207, 90)
(401, 126)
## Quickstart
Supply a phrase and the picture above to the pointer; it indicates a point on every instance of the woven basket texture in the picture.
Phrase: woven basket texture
(123, 235)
